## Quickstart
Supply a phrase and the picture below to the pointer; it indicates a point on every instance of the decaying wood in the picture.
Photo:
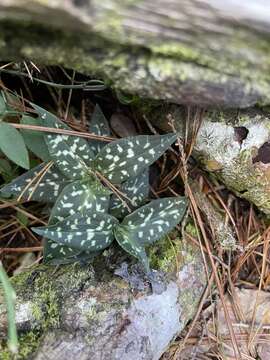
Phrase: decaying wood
(209, 52)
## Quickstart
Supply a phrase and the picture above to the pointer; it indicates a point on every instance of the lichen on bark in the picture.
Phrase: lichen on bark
(192, 65)
(232, 145)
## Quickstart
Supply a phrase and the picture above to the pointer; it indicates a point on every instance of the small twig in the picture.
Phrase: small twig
(91, 85)
(114, 189)
(22, 249)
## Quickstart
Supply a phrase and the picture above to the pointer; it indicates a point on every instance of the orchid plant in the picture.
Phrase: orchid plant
(99, 190)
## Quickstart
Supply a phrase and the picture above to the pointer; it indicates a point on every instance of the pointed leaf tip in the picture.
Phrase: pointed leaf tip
(131, 245)
(50, 184)
(87, 231)
(99, 126)
(148, 224)
(127, 157)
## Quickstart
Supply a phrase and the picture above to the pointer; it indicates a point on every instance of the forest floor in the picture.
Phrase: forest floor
(231, 319)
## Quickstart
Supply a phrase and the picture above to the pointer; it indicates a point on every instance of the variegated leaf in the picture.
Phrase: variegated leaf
(45, 187)
(76, 197)
(77, 145)
(127, 157)
(87, 231)
(136, 190)
(66, 158)
(150, 222)
(55, 251)
(55, 254)
(131, 245)
(99, 126)
(79, 196)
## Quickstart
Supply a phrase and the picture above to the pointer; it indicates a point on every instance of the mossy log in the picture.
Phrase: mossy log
(90, 312)
(210, 53)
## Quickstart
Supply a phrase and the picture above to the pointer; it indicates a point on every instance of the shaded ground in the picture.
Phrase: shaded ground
(243, 265)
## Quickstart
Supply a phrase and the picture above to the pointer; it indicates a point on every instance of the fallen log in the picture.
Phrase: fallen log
(209, 53)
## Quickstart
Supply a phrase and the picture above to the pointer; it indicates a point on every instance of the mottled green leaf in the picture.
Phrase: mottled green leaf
(131, 245)
(45, 189)
(67, 160)
(87, 231)
(127, 157)
(79, 196)
(150, 222)
(56, 254)
(136, 190)
(34, 140)
(76, 197)
(99, 126)
(12, 145)
(77, 145)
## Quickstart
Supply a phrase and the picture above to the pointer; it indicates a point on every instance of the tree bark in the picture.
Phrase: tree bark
(208, 53)
(233, 146)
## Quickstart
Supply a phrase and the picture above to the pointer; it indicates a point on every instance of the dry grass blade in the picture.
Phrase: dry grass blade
(183, 172)
(121, 196)
(22, 250)
(265, 254)
(64, 132)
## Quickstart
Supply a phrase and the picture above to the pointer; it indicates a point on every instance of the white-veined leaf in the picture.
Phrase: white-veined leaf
(34, 140)
(136, 190)
(99, 126)
(150, 222)
(127, 157)
(78, 145)
(13, 146)
(46, 189)
(87, 231)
